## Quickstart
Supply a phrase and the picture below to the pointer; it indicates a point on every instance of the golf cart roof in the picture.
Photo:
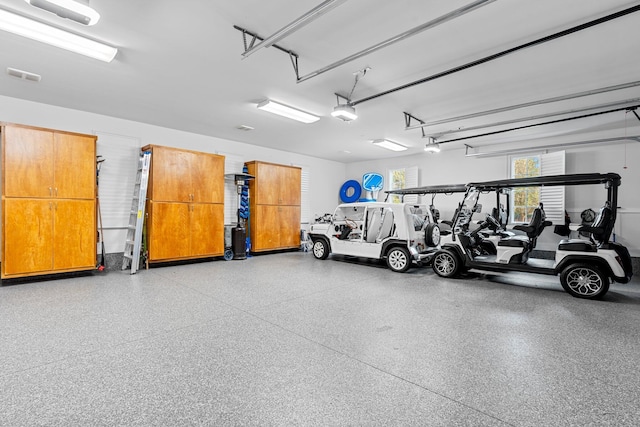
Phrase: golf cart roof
(551, 180)
(431, 189)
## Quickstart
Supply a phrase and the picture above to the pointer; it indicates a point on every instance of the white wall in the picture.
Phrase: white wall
(326, 177)
(452, 167)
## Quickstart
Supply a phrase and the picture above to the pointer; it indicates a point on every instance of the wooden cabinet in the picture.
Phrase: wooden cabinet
(185, 211)
(48, 201)
(274, 198)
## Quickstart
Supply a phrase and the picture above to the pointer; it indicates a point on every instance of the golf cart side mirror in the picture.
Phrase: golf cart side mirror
(478, 208)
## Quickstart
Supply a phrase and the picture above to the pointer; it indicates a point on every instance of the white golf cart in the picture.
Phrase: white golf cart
(586, 267)
(403, 234)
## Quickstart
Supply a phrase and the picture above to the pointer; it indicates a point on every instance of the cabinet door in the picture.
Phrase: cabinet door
(168, 231)
(207, 178)
(290, 181)
(265, 228)
(28, 236)
(289, 226)
(267, 184)
(28, 164)
(207, 229)
(171, 175)
(74, 166)
(74, 234)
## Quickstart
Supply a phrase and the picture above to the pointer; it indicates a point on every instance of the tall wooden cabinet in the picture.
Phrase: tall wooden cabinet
(274, 202)
(48, 201)
(185, 208)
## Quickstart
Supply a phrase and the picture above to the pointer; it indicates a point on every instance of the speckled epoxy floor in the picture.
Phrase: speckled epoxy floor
(285, 339)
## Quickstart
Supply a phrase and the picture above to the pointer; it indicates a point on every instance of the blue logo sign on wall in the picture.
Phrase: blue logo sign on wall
(372, 183)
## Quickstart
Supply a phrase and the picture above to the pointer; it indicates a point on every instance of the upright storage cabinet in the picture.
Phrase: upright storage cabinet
(48, 201)
(185, 204)
(274, 201)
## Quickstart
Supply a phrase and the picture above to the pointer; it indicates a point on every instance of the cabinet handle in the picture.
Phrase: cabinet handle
(50, 192)
(56, 191)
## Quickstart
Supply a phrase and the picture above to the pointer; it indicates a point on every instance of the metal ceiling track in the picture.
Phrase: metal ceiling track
(635, 138)
(504, 53)
(293, 26)
(433, 23)
(616, 104)
(424, 124)
(251, 47)
(584, 116)
(292, 55)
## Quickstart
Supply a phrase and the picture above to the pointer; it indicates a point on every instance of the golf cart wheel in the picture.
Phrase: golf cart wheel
(320, 249)
(432, 234)
(399, 259)
(584, 281)
(446, 263)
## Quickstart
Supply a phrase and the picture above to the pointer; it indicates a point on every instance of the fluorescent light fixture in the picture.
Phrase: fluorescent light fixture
(344, 112)
(432, 146)
(38, 31)
(77, 11)
(286, 111)
(389, 145)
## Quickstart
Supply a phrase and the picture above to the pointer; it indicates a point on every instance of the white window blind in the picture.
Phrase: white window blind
(411, 180)
(305, 208)
(553, 197)
(232, 164)
(117, 177)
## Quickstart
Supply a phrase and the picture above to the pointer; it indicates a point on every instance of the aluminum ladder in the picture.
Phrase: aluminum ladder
(136, 219)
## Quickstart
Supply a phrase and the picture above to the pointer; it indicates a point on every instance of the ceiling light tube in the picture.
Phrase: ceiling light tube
(69, 9)
(286, 111)
(389, 145)
(38, 31)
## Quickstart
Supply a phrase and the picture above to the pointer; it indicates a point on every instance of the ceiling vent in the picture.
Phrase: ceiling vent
(24, 75)
(244, 128)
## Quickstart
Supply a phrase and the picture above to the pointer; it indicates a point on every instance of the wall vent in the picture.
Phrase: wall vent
(23, 75)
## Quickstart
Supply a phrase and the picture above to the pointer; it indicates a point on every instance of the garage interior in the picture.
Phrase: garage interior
(461, 89)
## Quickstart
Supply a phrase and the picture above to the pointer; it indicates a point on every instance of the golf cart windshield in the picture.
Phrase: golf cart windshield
(467, 208)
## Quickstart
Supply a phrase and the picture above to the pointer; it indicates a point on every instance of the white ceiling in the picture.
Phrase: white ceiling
(179, 66)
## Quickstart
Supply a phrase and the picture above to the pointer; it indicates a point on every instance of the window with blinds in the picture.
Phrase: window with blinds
(403, 178)
(525, 199)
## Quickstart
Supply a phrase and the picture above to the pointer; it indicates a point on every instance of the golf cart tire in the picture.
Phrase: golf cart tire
(399, 259)
(432, 234)
(446, 263)
(320, 249)
(584, 281)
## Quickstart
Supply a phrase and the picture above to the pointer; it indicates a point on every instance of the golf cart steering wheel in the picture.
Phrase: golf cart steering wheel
(492, 223)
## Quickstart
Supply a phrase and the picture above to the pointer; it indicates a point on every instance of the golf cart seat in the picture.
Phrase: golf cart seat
(532, 230)
(375, 222)
(602, 226)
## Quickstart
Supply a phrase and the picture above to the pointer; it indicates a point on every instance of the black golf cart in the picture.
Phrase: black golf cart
(586, 267)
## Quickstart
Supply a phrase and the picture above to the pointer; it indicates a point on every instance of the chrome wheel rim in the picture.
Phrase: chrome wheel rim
(444, 263)
(435, 237)
(318, 249)
(397, 260)
(584, 281)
